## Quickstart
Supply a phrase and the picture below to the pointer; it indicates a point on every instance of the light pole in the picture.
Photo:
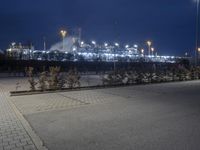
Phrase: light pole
(116, 49)
(63, 34)
(116, 45)
(149, 46)
(44, 39)
(197, 34)
(96, 51)
(152, 50)
(198, 49)
(142, 52)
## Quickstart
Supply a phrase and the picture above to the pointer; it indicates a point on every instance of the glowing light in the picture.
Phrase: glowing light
(142, 51)
(105, 44)
(152, 49)
(127, 46)
(149, 43)
(13, 43)
(117, 44)
(63, 33)
(199, 49)
(93, 42)
(136, 46)
(74, 49)
(9, 50)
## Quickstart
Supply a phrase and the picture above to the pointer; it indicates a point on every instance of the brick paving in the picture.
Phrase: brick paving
(13, 132)
(45, 102)
(59, 101)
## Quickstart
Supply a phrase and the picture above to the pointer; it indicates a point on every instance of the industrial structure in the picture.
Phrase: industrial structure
(71, 48)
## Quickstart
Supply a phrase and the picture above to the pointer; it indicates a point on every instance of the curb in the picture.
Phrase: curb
(22, 93)
(35, 138)
(36, 92)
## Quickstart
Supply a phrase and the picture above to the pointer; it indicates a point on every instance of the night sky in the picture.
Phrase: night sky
(170, 24)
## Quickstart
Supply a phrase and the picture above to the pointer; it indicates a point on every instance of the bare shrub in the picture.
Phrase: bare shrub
(42, 81)
(31, 80)
(53, 80)
(73, 78)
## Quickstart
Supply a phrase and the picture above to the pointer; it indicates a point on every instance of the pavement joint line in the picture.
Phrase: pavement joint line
(110, 93)
(35, 138)
(74, 99)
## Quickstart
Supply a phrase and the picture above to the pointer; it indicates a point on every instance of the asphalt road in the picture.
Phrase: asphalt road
(147, 117)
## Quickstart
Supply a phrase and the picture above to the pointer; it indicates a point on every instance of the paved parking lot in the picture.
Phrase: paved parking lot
(146, 117)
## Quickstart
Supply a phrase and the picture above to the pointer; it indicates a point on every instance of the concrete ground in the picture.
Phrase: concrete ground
(146, 117)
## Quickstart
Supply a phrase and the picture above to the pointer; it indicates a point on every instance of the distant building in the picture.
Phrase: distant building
(19, 51)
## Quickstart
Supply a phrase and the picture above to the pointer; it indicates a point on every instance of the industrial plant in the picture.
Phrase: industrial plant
(73, 48)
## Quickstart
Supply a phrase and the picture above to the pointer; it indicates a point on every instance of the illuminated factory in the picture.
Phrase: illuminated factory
(71, 48)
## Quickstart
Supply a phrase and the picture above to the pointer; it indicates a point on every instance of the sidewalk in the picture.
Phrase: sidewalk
(15, 132)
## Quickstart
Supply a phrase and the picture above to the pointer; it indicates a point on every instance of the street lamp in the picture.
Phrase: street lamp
(149, 46)
(74, 49)
(197, 33)
(13, 44)
(63, 34)
(198, 50)
(152, 50)
(142, 51)
(82, 44)
(93, 42)
(106, 44)
(127, 46)
(117, 44)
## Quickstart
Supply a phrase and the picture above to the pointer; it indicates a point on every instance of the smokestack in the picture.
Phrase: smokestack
(44, 39)
(80, 34)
